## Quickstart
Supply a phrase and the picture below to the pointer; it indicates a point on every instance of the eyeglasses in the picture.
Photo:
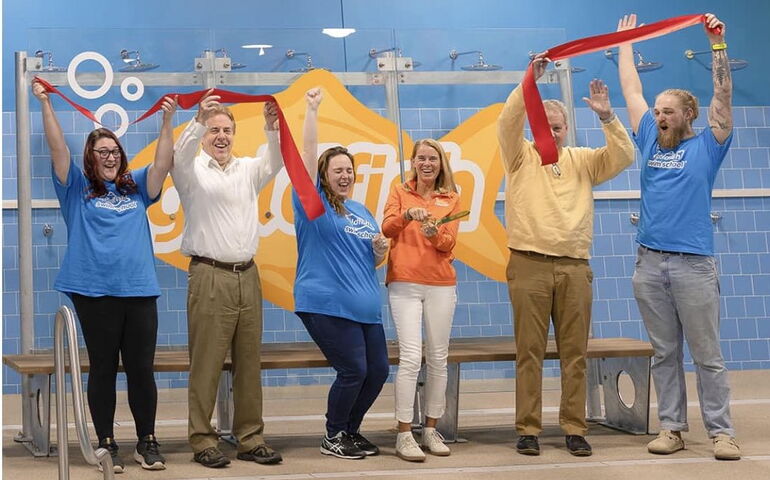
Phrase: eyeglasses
(104, 153)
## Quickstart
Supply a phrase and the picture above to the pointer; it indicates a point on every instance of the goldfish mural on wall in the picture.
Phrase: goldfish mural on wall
(472, 148)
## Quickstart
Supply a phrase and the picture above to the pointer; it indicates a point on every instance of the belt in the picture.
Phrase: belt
(663, 252)
(534, 254)
(233, 267)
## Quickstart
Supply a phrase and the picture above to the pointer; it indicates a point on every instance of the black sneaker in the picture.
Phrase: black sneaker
(342, 446)
(211, 457)
(361, 442)
(528, 445)
(117, 463)
(577, 446)
(262, 454)
(148, 455)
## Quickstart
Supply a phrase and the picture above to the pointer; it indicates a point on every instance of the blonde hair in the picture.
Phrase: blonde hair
(336, 201)
(445, 179)
(558, 105)
(686, 98)
(219, 110)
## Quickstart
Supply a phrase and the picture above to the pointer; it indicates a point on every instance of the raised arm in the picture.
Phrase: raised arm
(60, 153)
(187, 144)
(618, 154)
(721, 109)
(313, 99)
(164, 151)
(510, 123)
(629, 77)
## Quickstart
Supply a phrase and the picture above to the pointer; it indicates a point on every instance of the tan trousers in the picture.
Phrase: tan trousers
(544, 287)
(224, 311)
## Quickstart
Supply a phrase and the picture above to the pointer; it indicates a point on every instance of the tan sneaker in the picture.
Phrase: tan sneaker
(407, 448)
(434, 442)
(726, 448)
(668, 442)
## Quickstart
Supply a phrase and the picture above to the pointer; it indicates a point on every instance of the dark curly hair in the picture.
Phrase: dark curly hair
(124, 182)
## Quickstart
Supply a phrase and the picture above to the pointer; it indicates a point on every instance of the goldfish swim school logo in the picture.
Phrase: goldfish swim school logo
(472, 149)
(119, 203)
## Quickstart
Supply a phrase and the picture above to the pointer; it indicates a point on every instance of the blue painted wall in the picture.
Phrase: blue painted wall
(172, 33)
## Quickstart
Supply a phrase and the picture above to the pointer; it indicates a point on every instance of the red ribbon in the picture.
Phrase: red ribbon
(300, 180)
(538, 121)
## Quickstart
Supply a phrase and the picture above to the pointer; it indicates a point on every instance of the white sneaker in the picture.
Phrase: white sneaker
(434, 442)
(668, 442)
(407, 448)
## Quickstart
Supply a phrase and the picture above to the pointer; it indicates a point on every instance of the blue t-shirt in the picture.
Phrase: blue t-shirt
(676, 190)
(335, 265)
(109, 246)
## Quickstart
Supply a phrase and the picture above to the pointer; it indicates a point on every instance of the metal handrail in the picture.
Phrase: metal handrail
(65, 324)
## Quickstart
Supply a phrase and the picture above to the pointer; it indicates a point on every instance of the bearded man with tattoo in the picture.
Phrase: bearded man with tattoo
(676, 283)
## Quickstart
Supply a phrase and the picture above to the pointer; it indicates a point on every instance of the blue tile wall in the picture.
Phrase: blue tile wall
(742, 241)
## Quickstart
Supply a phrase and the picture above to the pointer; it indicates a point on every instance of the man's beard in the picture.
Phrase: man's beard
(671, 137)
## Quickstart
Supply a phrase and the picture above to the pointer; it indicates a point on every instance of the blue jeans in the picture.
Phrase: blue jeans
(678, 297)
(357, 351)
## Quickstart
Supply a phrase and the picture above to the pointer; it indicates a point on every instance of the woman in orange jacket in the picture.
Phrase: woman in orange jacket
(422, 286)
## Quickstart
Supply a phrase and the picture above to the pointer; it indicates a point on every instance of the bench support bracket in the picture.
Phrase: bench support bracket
(39, 404)
(634, 418)
(225, 407)
(447, 424)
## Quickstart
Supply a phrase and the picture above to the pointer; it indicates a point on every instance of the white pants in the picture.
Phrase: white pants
(410, 303)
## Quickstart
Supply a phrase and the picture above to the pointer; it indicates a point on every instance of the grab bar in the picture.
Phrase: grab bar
(65, 324)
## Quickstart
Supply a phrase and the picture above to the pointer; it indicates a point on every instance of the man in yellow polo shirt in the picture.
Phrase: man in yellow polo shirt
(549, 221)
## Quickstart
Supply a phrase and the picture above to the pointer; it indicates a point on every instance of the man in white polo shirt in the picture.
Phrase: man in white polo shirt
(224, 295)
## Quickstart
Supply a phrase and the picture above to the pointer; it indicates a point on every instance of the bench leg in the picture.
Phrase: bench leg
(38, 403)
(593, 393)
(636, 417)
(447, 424)
(225, 407)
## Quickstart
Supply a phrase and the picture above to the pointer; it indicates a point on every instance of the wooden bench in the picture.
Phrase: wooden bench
(608, 358)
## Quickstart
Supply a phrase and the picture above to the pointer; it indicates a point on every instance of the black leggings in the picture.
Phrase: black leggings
(127, 326)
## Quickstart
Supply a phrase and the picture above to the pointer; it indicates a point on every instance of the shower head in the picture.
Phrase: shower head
(641, 64)
(48, 67)
(308, 61)
(374, 53)
(735, 63)
(233, 65)
(134, 62)
(480, 66)
(738, 64)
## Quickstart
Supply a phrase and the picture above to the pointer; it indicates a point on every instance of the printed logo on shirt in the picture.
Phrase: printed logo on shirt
(671, 160)
(441, 203)
(118, 203)
(359, 227)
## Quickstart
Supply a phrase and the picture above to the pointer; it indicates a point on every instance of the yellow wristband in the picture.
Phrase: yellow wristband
(719, 46)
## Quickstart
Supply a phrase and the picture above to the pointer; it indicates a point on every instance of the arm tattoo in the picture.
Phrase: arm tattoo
(720, 68)
(720, 111)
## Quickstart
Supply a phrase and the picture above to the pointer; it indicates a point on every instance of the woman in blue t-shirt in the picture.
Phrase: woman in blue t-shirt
(336, 291)
(109, 272)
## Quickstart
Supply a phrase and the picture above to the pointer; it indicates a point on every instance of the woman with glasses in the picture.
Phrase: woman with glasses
(108, 270)
(336, 291)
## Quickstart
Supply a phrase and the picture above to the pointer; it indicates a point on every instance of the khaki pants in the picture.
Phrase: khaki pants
(224, 311)
(543, 287)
